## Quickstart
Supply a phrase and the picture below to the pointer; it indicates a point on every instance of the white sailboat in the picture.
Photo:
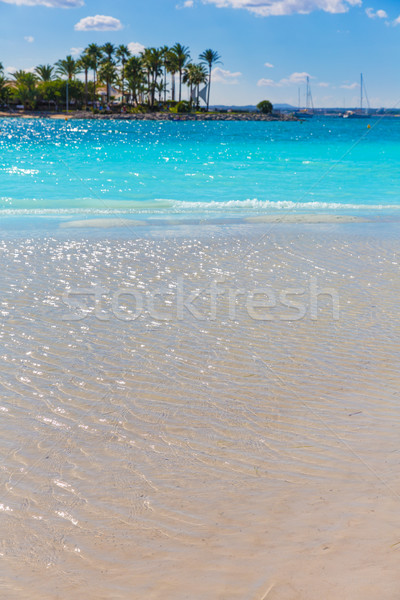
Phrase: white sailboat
(362, 113)
(308, 111)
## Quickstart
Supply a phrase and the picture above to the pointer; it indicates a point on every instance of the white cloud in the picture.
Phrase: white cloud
(293, 79)
(11, 70)
(379, 14)
(350, 86)
(396, 21)
(136, 48)
(296, 78)
(76, 51)
(29, 38)
(269, 65)
(98, 23)
(224, 76)
(267, 83)
(48, 3)
(268, 8)
(186, 4)
(323, 84)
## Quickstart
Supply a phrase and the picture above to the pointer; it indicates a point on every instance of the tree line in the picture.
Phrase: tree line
(155, 76)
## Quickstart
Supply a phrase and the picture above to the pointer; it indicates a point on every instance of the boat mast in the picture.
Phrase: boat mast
(309, 101)
(361, 92)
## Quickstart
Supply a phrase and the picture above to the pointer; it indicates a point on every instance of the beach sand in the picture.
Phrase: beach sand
(245, 453)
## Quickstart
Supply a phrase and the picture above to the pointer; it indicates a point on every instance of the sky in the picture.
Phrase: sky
(268, 47)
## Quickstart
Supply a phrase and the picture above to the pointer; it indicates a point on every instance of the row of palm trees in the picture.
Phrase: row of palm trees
(140, 79)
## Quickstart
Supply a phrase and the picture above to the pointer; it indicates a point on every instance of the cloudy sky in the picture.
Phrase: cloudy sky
(268, 46)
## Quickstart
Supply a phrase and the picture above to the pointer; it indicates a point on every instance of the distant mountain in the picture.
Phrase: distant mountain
(284, 107)
(251, 107)
(248, 107)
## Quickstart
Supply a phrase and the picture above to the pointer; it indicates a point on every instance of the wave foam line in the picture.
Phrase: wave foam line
(280, 205)
(162, 206)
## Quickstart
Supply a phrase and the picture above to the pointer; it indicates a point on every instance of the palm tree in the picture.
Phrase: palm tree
(194, 75)
(108, 66)
(4, 87)
(109, 50)
(85, 63)
(153, 63)
(96, 54)
(135, 76)
(108, 74)
(122, 53)
(21, 76)
(25, 88)
(182, 57)
(164, 55)
(187, 78)
(210, 57)
(44, 72)
(171, 67)
(160, 87)
(68, 67)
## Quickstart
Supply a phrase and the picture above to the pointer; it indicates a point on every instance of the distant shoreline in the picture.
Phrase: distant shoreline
(156, 116)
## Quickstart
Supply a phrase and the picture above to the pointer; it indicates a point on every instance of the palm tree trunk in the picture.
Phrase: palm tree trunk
(86, 88)
(180, 84)
(209, 87)
(173, 86)
(94, 87)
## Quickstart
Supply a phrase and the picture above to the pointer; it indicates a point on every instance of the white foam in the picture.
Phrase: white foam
(280, 205)
(161, 206)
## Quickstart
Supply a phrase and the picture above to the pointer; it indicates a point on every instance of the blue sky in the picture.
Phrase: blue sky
(331, 40)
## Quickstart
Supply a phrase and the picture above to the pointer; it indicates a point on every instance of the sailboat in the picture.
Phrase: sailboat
(308, 111)
(361, 113)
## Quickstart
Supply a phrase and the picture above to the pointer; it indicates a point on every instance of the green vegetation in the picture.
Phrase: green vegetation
(115, 80)
(4, 88)
(265, 107)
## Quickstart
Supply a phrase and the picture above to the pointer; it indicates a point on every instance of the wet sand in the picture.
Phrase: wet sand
(107, 222)
(245, 453)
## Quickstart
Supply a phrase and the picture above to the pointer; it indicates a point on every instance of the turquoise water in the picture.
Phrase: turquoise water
(222, 168)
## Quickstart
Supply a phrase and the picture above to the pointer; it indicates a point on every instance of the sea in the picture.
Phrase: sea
(198, 169)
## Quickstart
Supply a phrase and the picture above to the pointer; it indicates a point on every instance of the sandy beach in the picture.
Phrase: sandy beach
(195, 455)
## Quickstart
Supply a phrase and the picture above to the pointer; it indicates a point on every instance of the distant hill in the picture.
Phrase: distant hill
(251, 107)
(284, 107)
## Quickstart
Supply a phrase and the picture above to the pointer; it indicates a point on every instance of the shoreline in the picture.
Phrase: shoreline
(117, 220)
(156, 116)
(112, 222)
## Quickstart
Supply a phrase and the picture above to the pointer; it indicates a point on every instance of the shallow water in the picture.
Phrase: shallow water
(233, 452)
